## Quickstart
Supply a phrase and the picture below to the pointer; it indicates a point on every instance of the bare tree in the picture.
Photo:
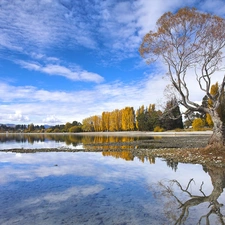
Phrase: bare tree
(190, 43)
(217, 176)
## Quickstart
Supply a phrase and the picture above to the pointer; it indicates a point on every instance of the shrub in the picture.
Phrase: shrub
(75, 129)
(198, 124)
(56, 130)
(49, 130)
(179, 130)
(158, 129)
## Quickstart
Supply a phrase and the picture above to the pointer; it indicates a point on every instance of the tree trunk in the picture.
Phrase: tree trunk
(217, 137)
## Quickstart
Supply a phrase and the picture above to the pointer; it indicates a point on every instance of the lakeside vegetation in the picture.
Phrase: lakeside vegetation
(126, 119)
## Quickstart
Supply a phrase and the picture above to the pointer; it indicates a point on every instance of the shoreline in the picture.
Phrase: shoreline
(184, 147)
(147, 133)
(126, 133)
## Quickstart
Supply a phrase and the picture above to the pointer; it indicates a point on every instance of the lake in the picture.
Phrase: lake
(102, 186)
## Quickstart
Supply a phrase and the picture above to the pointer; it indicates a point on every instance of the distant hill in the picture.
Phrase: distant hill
(10, 125)
(14, 125)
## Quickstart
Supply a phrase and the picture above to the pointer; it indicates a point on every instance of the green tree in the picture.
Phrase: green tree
(139, 115)
(31, 127)
(172, 118)
(154, 117)
(148, 118)
(143, 121)
(68, 126)
(75, 129)
(76, 123)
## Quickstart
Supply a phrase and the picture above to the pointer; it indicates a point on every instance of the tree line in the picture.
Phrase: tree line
(143, 119)
(150, 119)
(127, 119)
(31, 128)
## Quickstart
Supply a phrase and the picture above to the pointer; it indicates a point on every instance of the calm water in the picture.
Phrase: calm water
(104, 187)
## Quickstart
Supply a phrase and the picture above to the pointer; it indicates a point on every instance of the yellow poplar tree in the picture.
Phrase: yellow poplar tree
(87, 124)
(115, 120)
(97, 123)
(221, 109)
(128, 118)
(105, 121)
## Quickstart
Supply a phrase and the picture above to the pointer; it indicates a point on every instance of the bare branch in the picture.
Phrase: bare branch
(185, 40)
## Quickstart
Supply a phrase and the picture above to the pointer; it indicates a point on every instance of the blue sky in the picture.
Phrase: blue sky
(66, 60)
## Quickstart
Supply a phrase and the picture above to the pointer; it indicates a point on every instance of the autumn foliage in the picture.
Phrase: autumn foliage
(127, 119)
(117, 120)
(191, 44)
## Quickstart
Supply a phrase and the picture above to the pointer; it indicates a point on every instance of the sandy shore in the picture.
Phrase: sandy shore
(147, 133)
(126, 133)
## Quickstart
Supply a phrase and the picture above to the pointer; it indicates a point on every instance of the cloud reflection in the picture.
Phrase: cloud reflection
(27, 167)
(57, 197)
(57, 186)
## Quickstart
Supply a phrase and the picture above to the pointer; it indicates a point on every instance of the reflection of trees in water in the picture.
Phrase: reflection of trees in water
(32, 138)
(22, 138)
(104, 143)
(129, 156)
(181, 213)
(170, 163)
(71, 139)
(106, 139)
(98, 143)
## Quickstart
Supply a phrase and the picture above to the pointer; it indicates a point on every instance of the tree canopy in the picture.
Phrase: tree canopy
(190, 42)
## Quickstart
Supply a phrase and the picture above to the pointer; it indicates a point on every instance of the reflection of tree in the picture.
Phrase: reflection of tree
(127, 155)
(218, 181)
(104, 143)
(172, 164)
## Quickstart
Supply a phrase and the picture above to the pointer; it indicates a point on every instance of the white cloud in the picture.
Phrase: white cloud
(75, 192)
(119, 26)
(75, 74)
(39, 24)
(9, 93)
(61, 106)
(51, 119)
(18, 117)
(43, 106)
(112, 28)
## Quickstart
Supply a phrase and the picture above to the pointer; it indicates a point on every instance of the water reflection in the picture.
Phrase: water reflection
(69, 138)
(34, 140)
(94, 143)
(108, 185)
(184, 201)
(129, 156)
(102, 142)
(90, 188)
